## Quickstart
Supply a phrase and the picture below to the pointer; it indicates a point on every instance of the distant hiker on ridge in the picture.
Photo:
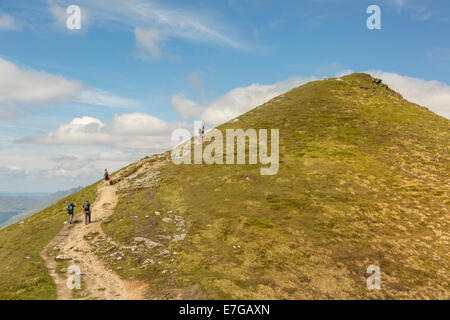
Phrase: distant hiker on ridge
(87, 212)
(201, 131)
(70, 208)
(106, 176)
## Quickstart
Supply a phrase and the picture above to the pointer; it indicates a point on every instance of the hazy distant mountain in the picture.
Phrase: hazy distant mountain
(32, 195)
(16, 203)
(15, 206)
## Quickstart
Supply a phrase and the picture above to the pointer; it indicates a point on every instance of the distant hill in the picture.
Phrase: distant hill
(16, 203)
(16, 208)
(13, 205)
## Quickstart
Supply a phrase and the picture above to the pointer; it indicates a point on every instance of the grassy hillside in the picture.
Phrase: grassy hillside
(363, 180)
(23, 274)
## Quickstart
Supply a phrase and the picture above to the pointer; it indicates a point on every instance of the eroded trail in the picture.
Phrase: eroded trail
(98, 282)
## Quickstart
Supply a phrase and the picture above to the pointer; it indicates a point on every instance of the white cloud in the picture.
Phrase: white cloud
(344, 72)
(129, 131)
(19, 85)
(172, 22)
(7, 22)
(58, 167)
(8, 115)
(27, 86)
(433, 94)
(235, 102)
(100, 97)
(148, 40)
(60, 15)
(116, 155)
(185, 107)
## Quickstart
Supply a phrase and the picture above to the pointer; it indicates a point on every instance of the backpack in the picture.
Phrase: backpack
(70, 207)
(87, 207)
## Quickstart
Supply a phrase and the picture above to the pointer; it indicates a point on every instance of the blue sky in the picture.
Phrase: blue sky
(75, 101)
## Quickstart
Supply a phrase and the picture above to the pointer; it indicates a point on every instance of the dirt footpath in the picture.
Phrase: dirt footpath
(98, 282)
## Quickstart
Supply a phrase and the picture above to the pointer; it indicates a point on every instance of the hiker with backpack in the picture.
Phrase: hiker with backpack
(70, 208)
(106, 177)
(87, 212)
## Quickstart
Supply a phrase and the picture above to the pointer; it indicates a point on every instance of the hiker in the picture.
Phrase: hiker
(106, 176)
(87, 212)
(70, 209)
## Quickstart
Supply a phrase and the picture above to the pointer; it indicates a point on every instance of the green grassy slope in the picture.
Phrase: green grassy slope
(23, 274)
(363, 180)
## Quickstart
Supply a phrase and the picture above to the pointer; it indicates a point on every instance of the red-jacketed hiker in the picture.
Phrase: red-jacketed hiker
(106, 177)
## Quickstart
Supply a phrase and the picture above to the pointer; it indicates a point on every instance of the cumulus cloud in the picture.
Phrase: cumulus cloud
(58, 167)
(7, 22)
(71, 163)
(116, 155)
(235, 102)
(129, 131)
(14, 171)
(27, 86)
(185, 107)
(433, 94)
(67, 157)
(59, 15)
